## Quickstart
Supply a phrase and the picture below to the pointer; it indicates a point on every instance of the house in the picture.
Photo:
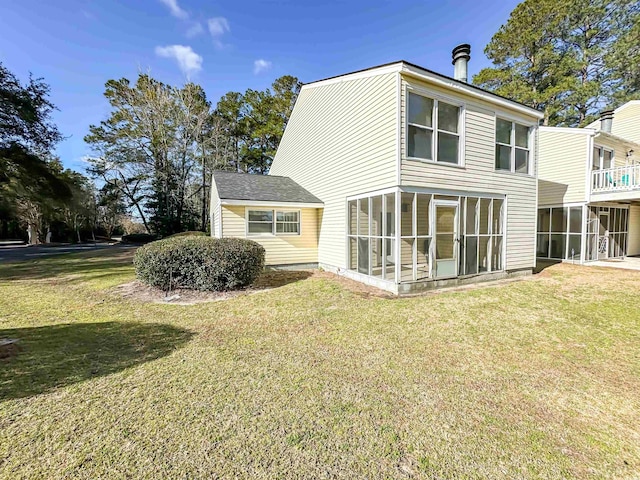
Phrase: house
(589, 188)
(424, 180)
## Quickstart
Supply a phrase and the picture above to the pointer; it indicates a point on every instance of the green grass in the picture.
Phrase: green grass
(534, 379)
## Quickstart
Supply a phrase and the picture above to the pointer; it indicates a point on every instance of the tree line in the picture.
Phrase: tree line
(152, 163)
(161, 143)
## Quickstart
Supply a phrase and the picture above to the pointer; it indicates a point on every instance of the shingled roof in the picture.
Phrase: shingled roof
(261, 188)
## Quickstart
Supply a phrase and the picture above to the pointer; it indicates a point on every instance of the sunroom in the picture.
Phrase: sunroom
(583, 233)
(403, 239)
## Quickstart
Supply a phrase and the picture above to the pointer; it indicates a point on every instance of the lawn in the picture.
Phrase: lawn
(313, 379)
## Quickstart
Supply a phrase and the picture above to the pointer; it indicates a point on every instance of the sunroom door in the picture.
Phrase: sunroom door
(446, 239)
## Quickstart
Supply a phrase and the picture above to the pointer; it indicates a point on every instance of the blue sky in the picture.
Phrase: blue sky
(77, 45)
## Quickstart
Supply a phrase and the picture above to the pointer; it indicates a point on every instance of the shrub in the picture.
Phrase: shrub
(139, 238)
(199, 263)
(189, 234)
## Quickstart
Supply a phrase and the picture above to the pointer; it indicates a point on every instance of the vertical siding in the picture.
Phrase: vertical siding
(562, 168)
(341, 141)
(626, 122)
(280, 249)
(634, 230)
(479, 176)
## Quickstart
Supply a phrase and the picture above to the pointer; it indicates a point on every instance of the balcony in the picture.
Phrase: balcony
(616, 180)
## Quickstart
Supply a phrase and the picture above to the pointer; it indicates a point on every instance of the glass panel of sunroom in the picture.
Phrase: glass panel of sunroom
(542, 245)
(406, 259)
(422, 214)
(471, 256)
(363, 255)
(406, 214)
(363, 217)
(390, 213)
(483, 257)
(497, 216)
(496, 253)
(353, 217)
(557, 246)
(353, 253)
(390, 258)
(575, 247)
(376, 216)
(423, 258)
(376, 257)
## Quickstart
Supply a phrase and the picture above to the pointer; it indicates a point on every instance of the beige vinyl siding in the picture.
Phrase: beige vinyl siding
(479, 175)
(634, 230)
(214, 210)
(626, 122)
(339, 142)
(280, 249)
(562, 166)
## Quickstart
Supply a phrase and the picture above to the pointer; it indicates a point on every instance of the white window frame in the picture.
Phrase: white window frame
(601, 149)
(274, 213)
(434, 128)
(512, 145)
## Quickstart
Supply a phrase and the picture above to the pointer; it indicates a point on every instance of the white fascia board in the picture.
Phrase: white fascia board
(371, 72)
(576, 130)
(610, 136)
(260, 203)
(472, 92)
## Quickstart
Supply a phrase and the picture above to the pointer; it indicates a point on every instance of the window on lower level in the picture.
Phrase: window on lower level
(261, 222)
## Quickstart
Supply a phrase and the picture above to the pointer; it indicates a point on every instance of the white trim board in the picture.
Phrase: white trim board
(260, 203)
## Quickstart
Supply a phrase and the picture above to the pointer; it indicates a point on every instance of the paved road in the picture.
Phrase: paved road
(22, 252)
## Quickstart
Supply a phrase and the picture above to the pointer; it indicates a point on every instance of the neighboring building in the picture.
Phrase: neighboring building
(425, 180)
(589, 188)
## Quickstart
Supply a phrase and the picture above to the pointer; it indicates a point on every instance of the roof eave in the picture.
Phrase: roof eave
(269, 203)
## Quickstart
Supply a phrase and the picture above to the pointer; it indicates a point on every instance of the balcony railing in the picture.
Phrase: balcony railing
(615, 179)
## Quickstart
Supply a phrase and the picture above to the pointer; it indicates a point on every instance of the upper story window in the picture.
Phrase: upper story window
(512, 146)
(261, 222)
(433, 129)
(602, 158)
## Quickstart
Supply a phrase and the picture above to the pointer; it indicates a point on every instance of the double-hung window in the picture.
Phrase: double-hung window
(273, 222)
(288, 222)
(602, 158)
(433, 129)
(512, 147)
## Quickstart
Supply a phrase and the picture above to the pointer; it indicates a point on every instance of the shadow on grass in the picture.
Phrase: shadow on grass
(88, 265)
(541, 265)
(55, 356)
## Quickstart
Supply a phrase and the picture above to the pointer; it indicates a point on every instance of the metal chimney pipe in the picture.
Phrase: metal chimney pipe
(606, 120)
(461, 56)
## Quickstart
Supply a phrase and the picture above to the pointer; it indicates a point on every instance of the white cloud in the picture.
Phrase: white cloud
(188, 60)
(194, 30)
(260, 66)
(218, 26)
(175, 9)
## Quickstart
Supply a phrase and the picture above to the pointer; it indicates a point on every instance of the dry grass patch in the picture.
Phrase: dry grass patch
(316, 379)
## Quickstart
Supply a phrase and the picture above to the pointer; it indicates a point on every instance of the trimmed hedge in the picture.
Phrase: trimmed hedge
(189, 234)
(199, 263)
(138, 238)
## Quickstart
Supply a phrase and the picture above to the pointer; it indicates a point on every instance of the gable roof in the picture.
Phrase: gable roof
(261, 188)
(412, 69)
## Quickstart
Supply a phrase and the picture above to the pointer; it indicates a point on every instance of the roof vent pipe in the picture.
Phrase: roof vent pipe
(461, 56)
(606, 120)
